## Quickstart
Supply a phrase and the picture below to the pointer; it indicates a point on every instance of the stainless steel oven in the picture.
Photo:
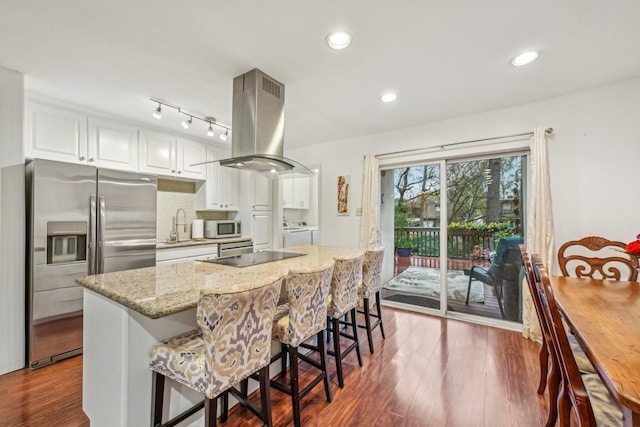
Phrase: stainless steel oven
(235, 248)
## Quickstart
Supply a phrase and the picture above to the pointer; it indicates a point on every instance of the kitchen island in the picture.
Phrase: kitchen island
(127, 312)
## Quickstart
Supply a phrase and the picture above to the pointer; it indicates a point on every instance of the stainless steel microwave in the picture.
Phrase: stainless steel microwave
(221, 229)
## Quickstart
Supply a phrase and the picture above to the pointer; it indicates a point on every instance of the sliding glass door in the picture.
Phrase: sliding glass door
(416, 237)
(457, 226)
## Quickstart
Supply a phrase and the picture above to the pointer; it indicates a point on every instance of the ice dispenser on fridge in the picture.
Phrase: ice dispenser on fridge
(66, 242)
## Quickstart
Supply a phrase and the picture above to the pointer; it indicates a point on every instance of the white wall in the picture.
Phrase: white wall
(12, 222)
(593, 160)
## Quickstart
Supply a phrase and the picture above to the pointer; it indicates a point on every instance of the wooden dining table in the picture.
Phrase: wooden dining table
(605, 318)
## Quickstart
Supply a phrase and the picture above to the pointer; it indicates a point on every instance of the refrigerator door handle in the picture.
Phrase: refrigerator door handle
(92, 234)
(101, 231)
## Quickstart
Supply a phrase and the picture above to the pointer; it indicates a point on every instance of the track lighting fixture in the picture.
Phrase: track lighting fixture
(186, 123)
(158, 113)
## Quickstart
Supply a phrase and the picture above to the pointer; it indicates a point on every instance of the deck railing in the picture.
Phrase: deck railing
(460, 243)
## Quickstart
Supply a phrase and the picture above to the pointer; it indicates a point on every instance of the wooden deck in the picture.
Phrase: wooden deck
(400, 264)
(489, 308)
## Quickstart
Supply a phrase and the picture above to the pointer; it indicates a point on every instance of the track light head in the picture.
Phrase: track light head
(186, 123)
(189, 116)
(158, 112)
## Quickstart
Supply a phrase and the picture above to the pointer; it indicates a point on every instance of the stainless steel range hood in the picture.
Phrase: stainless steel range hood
(258, 126)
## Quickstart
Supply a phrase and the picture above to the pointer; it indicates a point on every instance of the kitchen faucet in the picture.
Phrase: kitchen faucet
(175, 234)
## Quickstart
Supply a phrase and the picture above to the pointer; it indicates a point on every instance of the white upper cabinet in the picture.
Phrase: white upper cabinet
(295, 191)
(112, 145)
(189, 154)
(157, 153)
(55, 133)
(164, 154)
(261, 192)
(220, 192)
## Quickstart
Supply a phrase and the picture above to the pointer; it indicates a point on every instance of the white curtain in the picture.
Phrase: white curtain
(370, 228)
(539, 226)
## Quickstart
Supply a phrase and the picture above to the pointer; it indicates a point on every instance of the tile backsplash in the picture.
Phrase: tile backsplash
(173, 195)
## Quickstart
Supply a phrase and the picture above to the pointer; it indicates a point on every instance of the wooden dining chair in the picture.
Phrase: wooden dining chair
(585, 394)
(549, 369)
(597, 258)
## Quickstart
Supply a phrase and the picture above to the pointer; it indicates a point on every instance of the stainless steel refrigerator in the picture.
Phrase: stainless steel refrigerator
(81, 220)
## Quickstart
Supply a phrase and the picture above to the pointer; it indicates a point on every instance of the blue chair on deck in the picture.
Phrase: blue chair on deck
(505, 267)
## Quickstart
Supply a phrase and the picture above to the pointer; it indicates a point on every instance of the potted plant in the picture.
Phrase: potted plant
(403, 246)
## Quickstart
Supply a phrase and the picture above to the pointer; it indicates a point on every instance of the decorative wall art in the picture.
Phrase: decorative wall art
(343, 195)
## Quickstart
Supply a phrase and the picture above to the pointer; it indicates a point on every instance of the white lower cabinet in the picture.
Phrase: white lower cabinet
(262, 230)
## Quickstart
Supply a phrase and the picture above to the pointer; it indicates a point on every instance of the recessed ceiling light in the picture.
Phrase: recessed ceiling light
(338, 40)
(524, 59)
(388, 97)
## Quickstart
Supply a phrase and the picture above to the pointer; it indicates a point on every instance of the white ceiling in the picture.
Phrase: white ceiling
(444, 59)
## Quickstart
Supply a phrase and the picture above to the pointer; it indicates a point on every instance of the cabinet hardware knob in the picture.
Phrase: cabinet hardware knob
(82, 157)
(92, 159)
(173, 171)
(179, 171)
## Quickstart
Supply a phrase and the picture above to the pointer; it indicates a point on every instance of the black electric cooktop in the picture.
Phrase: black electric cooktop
(247, 260)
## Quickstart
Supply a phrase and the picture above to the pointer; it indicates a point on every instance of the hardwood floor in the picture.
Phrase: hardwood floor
(49, 396)
(428, 372)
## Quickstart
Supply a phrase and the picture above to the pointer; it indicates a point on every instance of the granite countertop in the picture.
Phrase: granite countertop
(198, 242)
(167, 289)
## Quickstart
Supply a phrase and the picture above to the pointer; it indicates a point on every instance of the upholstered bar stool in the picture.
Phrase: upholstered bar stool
(343, 301)
(302, 318)
(233, 342)
(370, 287)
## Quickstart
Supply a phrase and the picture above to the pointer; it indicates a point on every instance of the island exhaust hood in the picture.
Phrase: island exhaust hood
(257, 142)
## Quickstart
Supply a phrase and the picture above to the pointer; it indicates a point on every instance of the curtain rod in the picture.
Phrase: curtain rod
(547, 131)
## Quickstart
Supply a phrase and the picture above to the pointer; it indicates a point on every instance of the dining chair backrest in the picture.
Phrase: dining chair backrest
(533, 278)
(597, 258)
(236, 329)
(372, 271)
(344, 285)
(573, 387)
(308, 295)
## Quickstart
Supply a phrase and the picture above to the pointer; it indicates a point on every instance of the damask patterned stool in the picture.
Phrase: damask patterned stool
(343, 301)
(233, 342)
(370, 287)
(302, 318)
